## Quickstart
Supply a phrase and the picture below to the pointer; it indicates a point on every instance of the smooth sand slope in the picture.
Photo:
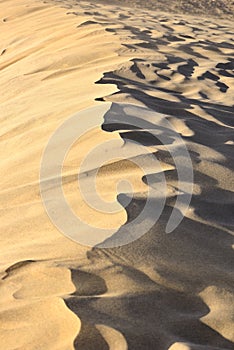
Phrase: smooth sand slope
(162, 291)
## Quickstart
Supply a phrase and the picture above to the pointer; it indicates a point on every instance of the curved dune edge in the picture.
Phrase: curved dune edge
(157, 292)
(48, 73)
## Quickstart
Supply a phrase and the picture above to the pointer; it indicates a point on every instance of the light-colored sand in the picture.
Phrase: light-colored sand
(163, 291)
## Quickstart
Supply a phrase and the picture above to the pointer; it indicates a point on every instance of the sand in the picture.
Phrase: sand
(162, 291)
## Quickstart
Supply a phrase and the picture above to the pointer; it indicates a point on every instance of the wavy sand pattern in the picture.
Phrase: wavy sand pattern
(162, 291)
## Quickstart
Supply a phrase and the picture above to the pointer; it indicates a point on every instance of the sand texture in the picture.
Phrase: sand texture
(163, 291)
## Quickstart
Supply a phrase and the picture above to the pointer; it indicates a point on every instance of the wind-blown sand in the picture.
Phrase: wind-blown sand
(162, 291)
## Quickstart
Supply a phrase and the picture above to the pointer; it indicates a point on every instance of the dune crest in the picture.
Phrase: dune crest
(162, 291)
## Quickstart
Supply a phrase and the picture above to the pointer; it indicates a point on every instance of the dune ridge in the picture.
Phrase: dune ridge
(161, 291)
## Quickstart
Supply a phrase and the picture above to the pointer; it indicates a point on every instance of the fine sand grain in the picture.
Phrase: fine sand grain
(163, 291)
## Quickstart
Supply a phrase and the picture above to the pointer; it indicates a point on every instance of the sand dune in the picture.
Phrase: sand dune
(213, 8)
(162, 291)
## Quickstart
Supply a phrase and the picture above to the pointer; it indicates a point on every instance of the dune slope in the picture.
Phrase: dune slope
(163, 291)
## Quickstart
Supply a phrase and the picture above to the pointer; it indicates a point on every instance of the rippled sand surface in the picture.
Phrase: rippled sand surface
(162, 291)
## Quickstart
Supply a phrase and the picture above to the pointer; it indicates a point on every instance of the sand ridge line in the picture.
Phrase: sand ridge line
(158, 291)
